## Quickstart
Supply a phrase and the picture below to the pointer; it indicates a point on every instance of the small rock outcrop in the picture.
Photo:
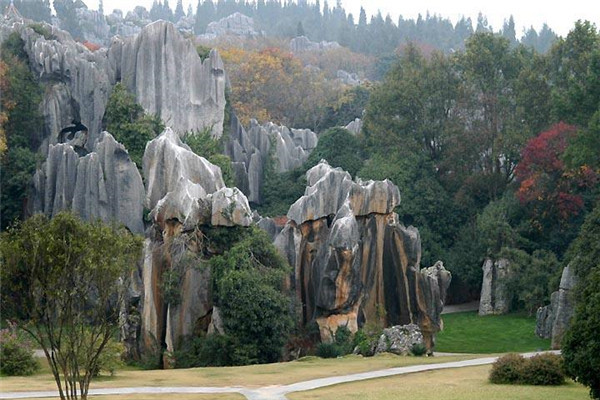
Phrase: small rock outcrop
(249, 151)
(302, 43)
(400, 340)
(236, 24)
(553, 320)
(494, 297)
(102, 184)
(544, 318)
(354, 262)
(348, 78)
(355, 126)
(169, 79)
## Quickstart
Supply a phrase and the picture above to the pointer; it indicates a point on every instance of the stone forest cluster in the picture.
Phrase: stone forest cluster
(284, 190)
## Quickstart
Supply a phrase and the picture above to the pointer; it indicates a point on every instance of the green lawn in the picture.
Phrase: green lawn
(467, 332)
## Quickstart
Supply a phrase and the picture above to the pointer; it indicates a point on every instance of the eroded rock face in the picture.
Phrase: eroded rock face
(354, 262)
(553, 320)
(185, 193)
(565, 306)
(302, 43)
(250, 149)
(236, 24)
(167, 160)
(169, 79)
(103, 184)
(494, 298)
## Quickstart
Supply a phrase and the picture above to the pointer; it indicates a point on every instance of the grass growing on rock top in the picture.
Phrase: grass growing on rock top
(467, 332)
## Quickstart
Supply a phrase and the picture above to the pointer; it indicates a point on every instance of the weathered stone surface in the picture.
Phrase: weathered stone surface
(329, 188)
(77, 80)
(302, 43)
(250, 149)
(494, 298)
(185, 192)
(565, 306)
(94, 27)
(236, 24)
(348, 78)
(230, 208)
(355, 126)
(354, 262)
(545, 318)
(103, 184)
(169, 79)
(167, 160)
(399, 339)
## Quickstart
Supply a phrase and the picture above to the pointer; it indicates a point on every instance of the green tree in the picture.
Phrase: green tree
(129, 124)
(581, 346)
(70, 273)
(340, 148)
(575, 75)
(249, 289)
(21, 123)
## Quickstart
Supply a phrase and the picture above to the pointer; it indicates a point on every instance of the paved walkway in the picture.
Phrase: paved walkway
(277, 392)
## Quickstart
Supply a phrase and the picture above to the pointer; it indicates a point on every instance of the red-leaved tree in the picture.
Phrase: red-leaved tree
(550, 189)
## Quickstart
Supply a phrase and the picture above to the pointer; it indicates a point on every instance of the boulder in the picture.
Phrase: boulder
(494, 298)
(399, 339)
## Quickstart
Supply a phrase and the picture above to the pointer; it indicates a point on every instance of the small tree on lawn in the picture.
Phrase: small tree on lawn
(71, 275)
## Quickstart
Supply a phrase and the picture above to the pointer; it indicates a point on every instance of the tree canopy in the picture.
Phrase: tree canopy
(64, 278)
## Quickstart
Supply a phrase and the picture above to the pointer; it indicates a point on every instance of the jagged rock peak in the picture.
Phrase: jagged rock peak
(167, 160)
(330, 188)
(168, 77)
(103, 184)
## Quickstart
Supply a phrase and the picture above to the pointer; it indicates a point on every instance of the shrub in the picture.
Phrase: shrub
(365, 340)
(16, 355)
(328, 350)
(418, 349)
(343, 339)
(507, 369)
(543, 369)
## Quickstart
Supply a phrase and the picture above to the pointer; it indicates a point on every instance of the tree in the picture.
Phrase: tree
(20, 125)
(179, 11)
(581, 347)
(552, 193)
(340, 148)
(70, 273)
(129, 124)
(249, 289)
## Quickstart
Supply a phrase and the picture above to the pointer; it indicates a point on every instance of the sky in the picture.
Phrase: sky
(559, 15)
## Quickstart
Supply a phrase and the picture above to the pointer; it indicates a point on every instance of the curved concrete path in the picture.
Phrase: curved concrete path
(277, 392)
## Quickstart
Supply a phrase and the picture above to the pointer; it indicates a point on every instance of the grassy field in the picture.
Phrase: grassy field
(249, 376)
(466, 332)
(455, 384)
